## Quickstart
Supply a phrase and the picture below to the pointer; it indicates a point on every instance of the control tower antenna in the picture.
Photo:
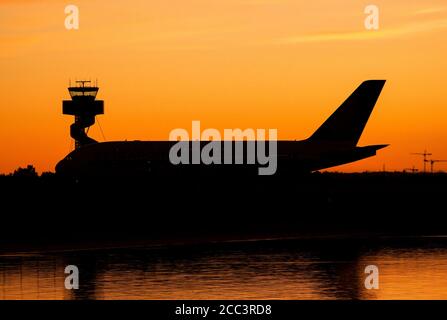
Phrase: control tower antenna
(84, 107)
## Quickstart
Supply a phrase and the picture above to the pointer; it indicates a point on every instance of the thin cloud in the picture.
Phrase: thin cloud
(428, 11)
(367, 34)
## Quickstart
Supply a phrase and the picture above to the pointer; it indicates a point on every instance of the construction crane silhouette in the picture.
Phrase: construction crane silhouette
(413, 170)
(424, 154)
(432, 162)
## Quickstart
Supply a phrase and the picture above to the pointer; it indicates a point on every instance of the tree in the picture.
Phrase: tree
(29, 172)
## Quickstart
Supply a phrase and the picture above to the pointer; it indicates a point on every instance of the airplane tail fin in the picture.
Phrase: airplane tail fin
(346, 124)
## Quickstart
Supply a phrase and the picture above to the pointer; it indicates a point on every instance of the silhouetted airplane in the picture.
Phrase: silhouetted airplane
(333, 144)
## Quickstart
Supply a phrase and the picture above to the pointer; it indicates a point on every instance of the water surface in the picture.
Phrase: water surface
(409, 268)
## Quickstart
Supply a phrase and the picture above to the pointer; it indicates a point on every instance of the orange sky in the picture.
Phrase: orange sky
(281, 64)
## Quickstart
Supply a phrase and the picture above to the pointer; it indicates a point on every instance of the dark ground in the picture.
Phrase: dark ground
(47, 211)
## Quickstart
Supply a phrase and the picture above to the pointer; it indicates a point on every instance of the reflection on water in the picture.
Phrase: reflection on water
(274, 269)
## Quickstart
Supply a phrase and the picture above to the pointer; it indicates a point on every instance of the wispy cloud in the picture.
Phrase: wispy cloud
(428, 11)
(263, 2)
(384, 33)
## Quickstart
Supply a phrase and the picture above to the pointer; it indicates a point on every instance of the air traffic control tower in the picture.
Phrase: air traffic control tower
(84, 107)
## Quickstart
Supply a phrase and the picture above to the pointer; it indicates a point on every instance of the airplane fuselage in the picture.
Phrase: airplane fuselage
(137, 158)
